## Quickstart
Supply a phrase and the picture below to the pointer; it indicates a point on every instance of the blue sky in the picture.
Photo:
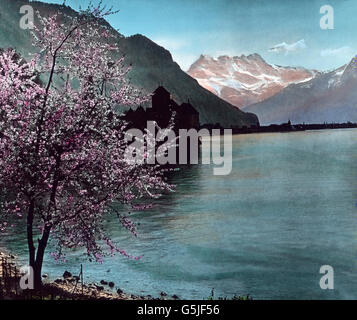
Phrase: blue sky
(189, 28)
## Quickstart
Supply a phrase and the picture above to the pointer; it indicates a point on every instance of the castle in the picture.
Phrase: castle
(162, 109)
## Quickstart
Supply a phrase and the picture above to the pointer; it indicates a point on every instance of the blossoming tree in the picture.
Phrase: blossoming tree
(62, 146)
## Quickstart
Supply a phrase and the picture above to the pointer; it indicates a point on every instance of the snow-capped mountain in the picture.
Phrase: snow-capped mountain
(330, 97)
(245, 80)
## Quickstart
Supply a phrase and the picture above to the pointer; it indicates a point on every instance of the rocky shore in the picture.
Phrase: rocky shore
(66, 288)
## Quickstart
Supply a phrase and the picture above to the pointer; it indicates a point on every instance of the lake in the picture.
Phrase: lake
(287, 208)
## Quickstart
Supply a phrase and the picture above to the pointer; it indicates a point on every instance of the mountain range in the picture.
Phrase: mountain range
(218, 88)
(245, 80)
(278, 94)
(151, 65)
(329, 97)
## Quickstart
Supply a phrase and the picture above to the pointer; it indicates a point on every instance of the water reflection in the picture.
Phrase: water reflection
(287, 208)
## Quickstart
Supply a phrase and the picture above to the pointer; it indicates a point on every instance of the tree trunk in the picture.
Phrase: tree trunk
(36, 258)
(37, 281)
(36, 264)
(42, 244)
(30, 243)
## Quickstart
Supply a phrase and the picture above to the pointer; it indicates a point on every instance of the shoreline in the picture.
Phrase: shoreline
(282, 128)
(66, 288)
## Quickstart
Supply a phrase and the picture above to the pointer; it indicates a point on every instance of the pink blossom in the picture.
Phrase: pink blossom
(62, 147)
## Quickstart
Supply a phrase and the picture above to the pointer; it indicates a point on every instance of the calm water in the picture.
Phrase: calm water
(287, 208)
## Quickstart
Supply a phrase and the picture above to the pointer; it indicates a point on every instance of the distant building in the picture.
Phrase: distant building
(161, 99)
(162, 109)
(188, 116)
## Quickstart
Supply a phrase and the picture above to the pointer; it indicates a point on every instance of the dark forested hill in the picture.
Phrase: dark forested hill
(152, 65)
